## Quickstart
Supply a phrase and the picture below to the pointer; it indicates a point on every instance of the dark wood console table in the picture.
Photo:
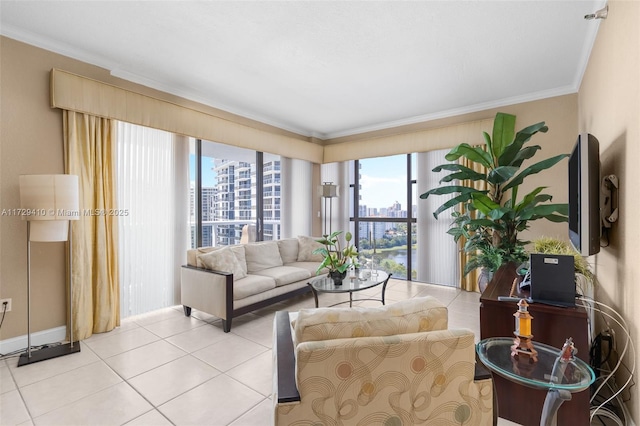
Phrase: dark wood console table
(551, 325)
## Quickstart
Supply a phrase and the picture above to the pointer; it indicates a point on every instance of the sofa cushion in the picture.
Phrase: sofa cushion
(252, 284)
(224, 260)
(306, 246)
(193, 258)
(262, 255)
(408, 316)
(312, 267)
(288, 249)
(284, 275)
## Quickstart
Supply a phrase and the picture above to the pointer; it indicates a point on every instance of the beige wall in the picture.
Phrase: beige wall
(609, 108)
(31, 142)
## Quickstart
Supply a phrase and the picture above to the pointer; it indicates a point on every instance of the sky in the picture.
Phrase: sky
(208, 175)
(383, 181)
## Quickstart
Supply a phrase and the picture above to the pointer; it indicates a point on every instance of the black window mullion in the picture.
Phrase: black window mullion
(259, 196)
(197, 201)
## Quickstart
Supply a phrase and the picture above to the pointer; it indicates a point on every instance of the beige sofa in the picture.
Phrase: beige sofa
(393, 365)
(229, 281)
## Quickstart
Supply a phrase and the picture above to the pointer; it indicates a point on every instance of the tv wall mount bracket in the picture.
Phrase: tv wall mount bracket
(609, 189)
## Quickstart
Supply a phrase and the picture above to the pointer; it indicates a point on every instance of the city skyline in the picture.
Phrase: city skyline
(379, 189)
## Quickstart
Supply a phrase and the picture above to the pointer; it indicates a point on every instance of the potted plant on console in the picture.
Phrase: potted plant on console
(489, 214)
(336, 258)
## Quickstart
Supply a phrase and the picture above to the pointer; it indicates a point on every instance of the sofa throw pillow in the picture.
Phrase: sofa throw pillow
(306, 246)
(408, 316)
(288, 250)
(262, 255)
(224, 260)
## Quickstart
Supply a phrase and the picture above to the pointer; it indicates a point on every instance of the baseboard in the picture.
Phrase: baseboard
(52, 335)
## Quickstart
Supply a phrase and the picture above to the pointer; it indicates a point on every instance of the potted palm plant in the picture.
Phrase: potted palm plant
(336, 258)
(490, 219)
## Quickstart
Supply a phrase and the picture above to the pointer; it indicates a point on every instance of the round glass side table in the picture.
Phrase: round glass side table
(560, 378)
(324, 284)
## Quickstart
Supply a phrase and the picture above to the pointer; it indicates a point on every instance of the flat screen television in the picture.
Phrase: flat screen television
(584, 195)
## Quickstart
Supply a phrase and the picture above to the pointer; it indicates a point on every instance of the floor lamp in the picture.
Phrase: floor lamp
(49, 203)
(328, 191)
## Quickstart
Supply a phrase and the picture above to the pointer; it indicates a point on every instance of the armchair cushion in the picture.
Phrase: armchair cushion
(408, 316)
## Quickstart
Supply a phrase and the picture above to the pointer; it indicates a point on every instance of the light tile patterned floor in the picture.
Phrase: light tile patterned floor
(163, 368)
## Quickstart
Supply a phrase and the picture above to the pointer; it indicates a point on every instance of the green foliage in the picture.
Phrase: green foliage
(491, 219)
(336, 258)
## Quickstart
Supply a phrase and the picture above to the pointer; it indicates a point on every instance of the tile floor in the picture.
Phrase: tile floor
(163, 368)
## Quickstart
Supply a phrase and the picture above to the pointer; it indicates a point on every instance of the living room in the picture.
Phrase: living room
(606, 103)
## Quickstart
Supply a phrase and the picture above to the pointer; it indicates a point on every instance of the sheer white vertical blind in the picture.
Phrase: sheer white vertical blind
(338, 173)
(437, 252)
(296, 197)
(146, 192)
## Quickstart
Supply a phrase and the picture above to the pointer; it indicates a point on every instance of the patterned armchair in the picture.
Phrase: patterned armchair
(394, 365)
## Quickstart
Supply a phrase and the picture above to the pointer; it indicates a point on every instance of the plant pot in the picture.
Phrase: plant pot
(485, 277)
(337, 276)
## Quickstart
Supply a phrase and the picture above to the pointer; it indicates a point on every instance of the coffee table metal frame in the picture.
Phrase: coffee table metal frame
(324, 284)
(558, 377)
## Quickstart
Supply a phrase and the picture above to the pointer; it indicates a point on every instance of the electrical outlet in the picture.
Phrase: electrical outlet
(2, 301)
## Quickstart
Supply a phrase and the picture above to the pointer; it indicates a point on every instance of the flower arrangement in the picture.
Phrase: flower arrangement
(336, 258)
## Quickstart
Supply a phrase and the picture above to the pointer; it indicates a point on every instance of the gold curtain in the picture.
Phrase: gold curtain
(469, 282)
(89, 150)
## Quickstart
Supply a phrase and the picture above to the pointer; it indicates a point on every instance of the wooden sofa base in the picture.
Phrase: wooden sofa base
(232, 313)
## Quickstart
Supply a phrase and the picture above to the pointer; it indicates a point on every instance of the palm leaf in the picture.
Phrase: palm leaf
(475, 154)
(504, 126)
(524, 154)
(448, 190)
(511, 151)
(453, 202)
(533, 169)
(500, 175)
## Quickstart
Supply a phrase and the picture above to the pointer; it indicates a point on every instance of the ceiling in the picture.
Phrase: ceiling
(325, 68)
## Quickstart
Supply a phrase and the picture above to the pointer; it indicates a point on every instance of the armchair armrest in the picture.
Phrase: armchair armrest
(285, 361)
(481, 372)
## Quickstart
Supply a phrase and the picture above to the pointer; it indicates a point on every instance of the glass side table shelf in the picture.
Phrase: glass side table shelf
(365, 280)
(560, 378)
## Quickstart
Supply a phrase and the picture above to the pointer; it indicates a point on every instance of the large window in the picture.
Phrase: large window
(383, 212)
(394, 226)
(239, 195)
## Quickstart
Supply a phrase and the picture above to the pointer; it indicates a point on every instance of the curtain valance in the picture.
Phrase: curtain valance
(73, 92)
(409, 142)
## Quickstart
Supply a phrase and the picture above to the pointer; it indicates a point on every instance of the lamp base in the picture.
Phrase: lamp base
(48, 353)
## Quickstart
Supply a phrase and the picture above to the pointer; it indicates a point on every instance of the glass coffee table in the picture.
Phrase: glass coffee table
(362, 281)
(560, 378)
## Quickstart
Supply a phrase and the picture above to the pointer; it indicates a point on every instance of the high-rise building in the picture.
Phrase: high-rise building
(207, 214)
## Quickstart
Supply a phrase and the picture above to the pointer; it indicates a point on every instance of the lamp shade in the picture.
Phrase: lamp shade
(49, 202)
(329, 190)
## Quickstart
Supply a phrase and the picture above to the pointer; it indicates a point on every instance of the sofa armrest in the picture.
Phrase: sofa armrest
(206, 290)
(284, 360)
